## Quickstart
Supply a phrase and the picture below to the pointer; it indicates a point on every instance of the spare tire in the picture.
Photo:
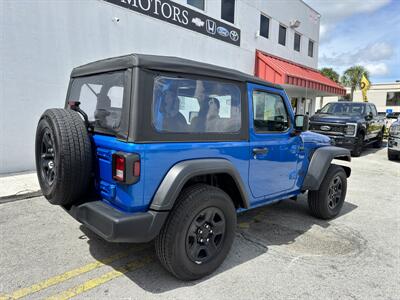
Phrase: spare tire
(63, 156)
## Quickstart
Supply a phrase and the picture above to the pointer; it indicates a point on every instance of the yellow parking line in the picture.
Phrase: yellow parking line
(95, 282)
(67, 275)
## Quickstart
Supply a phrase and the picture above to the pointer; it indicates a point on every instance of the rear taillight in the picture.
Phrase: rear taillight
(126, 167)
(119, 168)
(136, 168)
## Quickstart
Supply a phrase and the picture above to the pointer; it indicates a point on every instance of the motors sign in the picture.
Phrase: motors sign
(180, 15)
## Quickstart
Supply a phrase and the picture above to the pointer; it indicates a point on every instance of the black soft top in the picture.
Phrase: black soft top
(165, 63)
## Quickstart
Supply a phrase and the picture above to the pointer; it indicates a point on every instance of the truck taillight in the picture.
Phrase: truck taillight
(126, 167)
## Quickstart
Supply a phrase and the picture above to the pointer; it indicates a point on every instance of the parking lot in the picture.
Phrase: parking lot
(280, 252)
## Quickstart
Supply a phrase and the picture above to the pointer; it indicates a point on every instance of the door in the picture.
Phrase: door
(376, 122)
(370, 122)
(274, 148)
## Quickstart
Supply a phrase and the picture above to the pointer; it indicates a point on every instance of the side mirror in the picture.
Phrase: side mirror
(318, 111)
(369, 116)
(301, 123)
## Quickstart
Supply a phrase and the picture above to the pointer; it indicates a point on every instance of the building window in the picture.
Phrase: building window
(196, 3)
(310, 48)
(297, 39)
(282, 35)
(264, 26)
(228, 10)
(393, 99)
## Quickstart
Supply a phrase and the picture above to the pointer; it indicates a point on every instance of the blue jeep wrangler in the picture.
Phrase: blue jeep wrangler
(151, 147)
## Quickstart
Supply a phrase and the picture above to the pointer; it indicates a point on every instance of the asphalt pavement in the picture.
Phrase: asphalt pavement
(280, 251)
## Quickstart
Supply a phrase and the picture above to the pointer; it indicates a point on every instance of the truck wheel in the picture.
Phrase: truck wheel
(63, 156)
(358, 147)
(379, 140)
(198, 233)
(327, 202)
(392, 156)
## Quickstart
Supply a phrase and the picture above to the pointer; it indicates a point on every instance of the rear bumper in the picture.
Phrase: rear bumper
(116, 226)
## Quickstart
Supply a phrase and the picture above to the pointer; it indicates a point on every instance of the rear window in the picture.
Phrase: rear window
(101, 97)
(183, 105)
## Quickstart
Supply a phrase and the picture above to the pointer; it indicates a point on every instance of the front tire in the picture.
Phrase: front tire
(198, 234)
(358, 147)
(327, 202)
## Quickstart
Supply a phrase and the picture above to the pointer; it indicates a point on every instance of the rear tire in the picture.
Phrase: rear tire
(327, 202)
(63, 156)
(358, 147)
(198, 233)
(393, 156)
(379, 140)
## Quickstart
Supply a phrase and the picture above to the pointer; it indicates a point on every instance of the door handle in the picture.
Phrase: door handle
(257, 151)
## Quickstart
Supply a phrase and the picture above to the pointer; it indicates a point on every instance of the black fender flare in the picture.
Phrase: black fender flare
(319, 164)
(180, 173)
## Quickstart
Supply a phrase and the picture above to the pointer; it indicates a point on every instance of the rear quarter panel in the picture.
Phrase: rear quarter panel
(156, 160)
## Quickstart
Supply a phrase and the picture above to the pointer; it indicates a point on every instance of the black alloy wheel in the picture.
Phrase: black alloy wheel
(335, 192)
(205, 235)
(47, 156)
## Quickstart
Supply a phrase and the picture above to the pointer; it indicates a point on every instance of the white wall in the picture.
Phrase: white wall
(41, 41)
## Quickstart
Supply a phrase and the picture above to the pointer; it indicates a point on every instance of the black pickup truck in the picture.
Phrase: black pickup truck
(351, 125)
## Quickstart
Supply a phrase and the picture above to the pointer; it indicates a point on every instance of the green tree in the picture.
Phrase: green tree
(352, 78)
(330, 73)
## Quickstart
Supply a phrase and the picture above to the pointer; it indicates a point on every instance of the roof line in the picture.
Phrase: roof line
(311, 8)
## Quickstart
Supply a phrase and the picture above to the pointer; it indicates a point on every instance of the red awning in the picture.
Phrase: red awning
(280, 71)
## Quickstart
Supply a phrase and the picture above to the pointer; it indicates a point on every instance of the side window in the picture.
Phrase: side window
(374, 112)
(368, 109)
(270, 114)
(196, 106)
(101, 97)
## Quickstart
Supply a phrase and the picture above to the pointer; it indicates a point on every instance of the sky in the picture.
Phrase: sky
(364, 32)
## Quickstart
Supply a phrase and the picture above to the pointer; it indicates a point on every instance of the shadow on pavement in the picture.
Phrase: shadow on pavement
(368, 150)
(258, 229)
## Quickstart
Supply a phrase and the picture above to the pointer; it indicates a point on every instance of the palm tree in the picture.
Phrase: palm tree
(352, 78)
(330, 73)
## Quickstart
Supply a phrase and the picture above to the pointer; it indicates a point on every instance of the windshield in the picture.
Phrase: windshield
(101, 97)
(343, 109)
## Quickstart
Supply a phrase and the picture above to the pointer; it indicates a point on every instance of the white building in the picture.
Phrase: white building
(385, 96)
(41, 41)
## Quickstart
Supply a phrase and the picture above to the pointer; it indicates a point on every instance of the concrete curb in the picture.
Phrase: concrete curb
(17, 197)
